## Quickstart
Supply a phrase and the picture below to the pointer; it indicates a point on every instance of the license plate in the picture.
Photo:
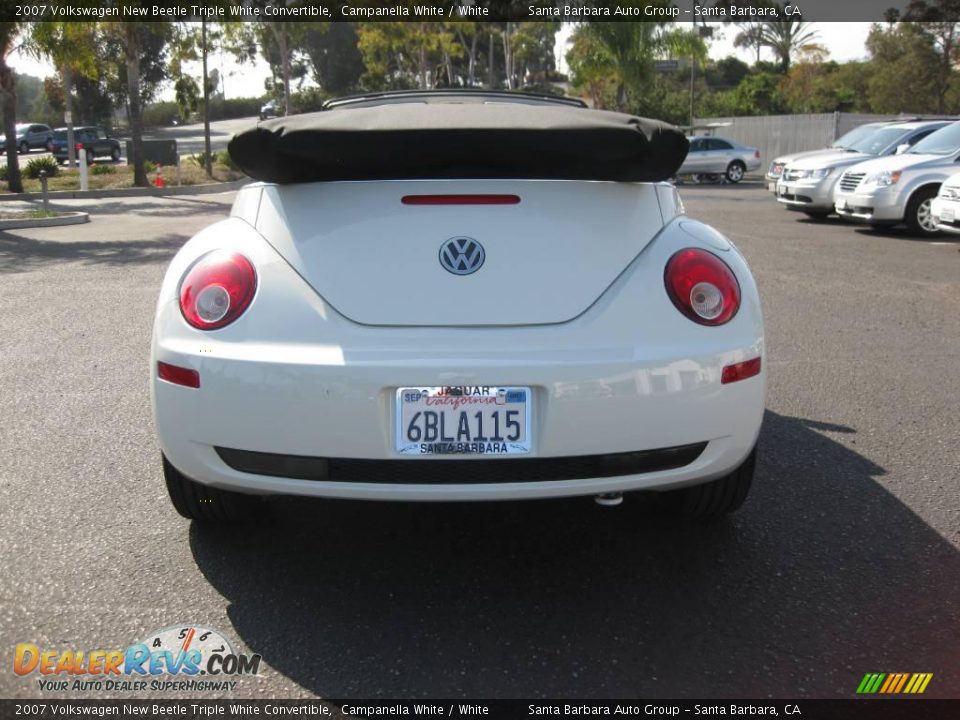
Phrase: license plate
(946, 215)
(772, 186)
(464, 420)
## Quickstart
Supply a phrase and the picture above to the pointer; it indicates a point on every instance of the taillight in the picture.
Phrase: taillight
(756, 154)
(217, 290)
(702, 287)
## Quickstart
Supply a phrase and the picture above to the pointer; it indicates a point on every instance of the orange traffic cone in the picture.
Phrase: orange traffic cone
(159, 181)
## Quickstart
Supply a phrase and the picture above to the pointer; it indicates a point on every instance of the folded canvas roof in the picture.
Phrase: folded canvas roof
(459, 140)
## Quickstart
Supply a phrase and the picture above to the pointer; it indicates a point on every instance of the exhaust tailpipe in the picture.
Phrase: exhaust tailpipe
(608, 499)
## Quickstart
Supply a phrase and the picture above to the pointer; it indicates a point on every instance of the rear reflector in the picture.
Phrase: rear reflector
(740, 371)
(460, 199)
(178, 375)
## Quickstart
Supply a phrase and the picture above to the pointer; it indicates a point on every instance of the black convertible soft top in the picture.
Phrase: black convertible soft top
(452, 140)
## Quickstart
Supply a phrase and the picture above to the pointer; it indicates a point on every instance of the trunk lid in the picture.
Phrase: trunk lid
(379, 260)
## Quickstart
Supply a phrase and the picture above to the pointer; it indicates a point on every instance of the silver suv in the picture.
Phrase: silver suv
(781, 161)
(807, 184)
(901, 188)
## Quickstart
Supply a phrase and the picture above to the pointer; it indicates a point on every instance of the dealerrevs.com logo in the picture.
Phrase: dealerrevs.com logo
(179, 658)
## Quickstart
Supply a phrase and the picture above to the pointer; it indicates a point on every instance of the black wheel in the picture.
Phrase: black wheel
(24, 148)
(919, 216)
(203, 503)
(817, 214)
(735, 171)
(717, 497)
(115, 154)
(90, 158)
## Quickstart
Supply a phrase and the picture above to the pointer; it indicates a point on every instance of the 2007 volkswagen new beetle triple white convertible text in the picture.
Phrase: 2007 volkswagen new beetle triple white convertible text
(457, 296)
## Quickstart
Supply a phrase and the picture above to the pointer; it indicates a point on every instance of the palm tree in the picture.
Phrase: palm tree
(750, 37)
(631, 47)
(785, 37)
(9, 33)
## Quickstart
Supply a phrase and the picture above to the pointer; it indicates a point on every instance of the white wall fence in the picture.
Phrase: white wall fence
(780, 134)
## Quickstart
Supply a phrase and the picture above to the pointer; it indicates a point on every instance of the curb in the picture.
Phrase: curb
(74, 218)
(206, 189)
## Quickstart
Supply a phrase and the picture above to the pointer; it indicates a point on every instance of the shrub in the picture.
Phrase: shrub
(234, 108)
(200, 159)
(161, 114)
(102, 170)
(225, 160)
(34, 167)
(4, 175)
(149, 166)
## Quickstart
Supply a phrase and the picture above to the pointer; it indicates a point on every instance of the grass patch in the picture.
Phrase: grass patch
(122, 177)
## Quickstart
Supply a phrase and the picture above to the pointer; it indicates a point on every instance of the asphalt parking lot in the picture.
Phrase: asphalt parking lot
(845, 559)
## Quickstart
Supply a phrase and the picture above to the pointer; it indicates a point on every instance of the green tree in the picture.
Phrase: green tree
(936, 21)
(279, 43)
(403, 55)
(592, 69)
(758, 94)
(787, 37)
(337, 63)
(9, 37)
(71, 48)
(131, 37)
(905, 73)
(630, 48)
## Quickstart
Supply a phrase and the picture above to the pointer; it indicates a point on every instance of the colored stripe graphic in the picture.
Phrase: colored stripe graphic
(894, 683)
(901, 683)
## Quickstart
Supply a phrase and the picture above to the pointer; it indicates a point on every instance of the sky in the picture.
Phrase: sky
(844, 41)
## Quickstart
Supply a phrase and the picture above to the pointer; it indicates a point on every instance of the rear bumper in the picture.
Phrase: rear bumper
(318, 404)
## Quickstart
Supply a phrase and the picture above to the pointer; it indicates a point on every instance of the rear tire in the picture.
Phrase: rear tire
(919, 217)
(203, 503)
(24, 148)
(718, 497)
(115, 154)
(735, 171)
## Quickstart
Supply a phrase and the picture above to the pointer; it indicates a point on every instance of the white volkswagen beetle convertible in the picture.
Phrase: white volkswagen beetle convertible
(457, 296)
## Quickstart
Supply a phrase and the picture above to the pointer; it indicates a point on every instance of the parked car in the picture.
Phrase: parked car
(268, 111)
(92, 139)
(945, 208)
(30, 136)
(781, 161)
(530, 325)
(807, 184)
(900, 188)
(719, 156)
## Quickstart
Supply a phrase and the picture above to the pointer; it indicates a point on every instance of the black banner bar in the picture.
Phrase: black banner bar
(874, 709)
(712, 11)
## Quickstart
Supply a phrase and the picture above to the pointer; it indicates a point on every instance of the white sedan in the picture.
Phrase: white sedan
(945, 207)
(425, 300)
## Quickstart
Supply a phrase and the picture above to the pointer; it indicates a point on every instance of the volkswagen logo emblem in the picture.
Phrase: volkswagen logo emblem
(462, 255)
